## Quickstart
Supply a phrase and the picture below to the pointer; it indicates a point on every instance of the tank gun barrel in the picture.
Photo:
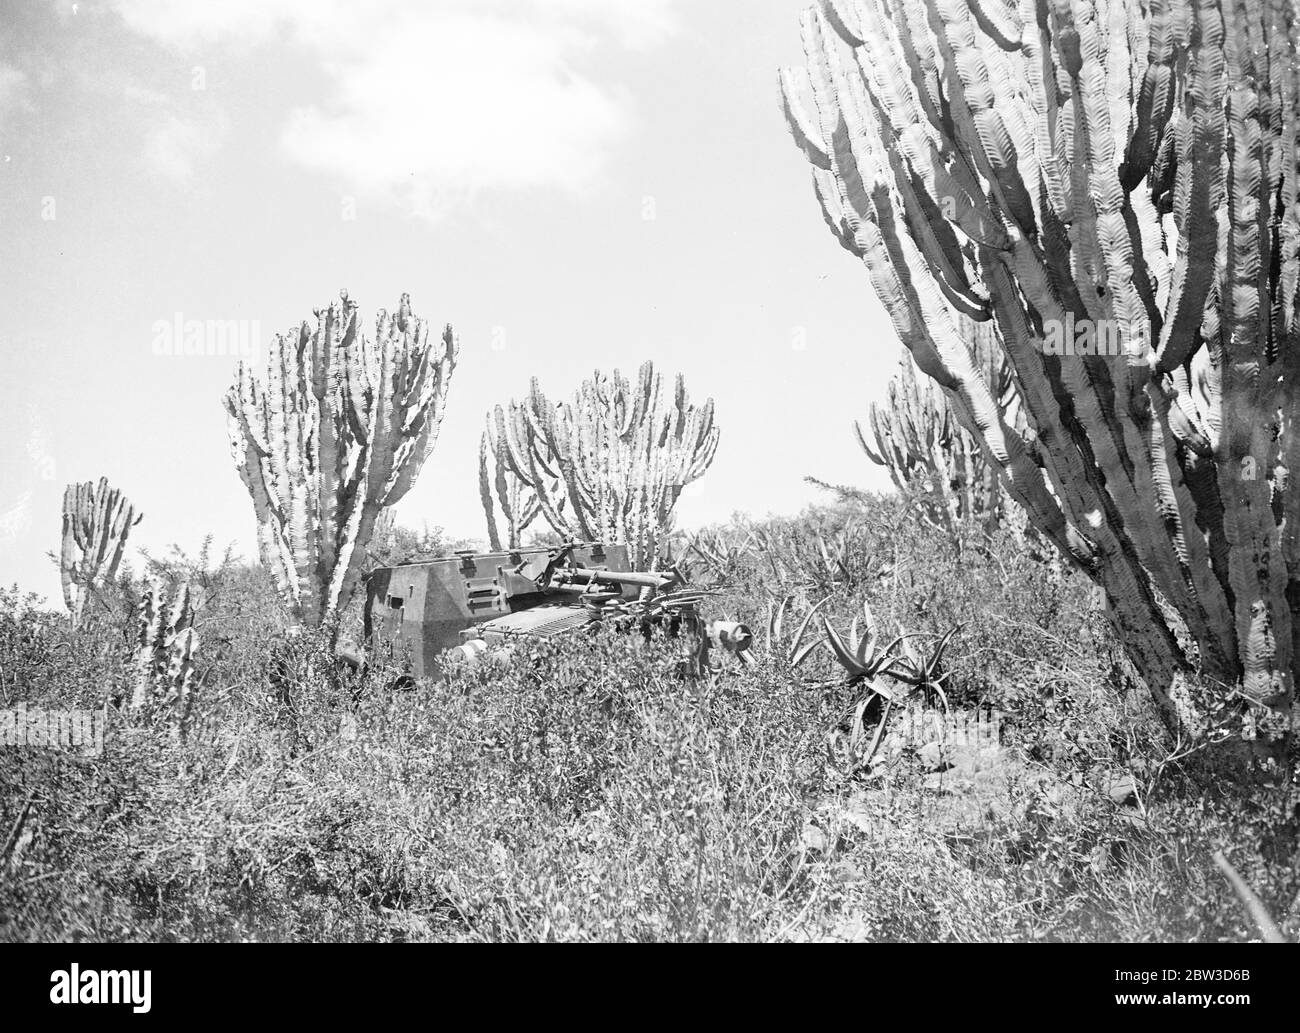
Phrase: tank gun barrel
(641, 579)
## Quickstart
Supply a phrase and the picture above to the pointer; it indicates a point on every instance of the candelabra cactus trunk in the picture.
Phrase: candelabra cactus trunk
(619, 456)
(97, 521)
(500, 488)
(1114, 186)
(338, 431)
(929, 456)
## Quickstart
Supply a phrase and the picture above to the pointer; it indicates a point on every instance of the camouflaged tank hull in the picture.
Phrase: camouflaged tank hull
(418, 610)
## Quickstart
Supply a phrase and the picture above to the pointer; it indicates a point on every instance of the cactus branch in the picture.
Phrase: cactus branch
(1075, 174)
(165, 644)
(918, 439)
(337, 432)
(617, 456)
(97, 520)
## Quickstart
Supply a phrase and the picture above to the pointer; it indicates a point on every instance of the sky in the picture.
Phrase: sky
(572, 184)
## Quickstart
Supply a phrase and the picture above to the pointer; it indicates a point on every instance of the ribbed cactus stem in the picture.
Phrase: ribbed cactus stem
(97, 520)
(337, 432)
(610, 465)
(1114, 189)
(928, 455)
(501, 488)
(165, 643)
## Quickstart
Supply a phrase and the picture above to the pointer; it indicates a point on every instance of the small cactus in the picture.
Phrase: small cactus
(96, 522)
(164, 650)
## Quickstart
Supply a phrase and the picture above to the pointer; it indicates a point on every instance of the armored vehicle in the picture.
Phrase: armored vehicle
(471, 602)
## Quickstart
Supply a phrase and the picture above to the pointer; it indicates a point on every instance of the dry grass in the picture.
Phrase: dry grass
(583, 792)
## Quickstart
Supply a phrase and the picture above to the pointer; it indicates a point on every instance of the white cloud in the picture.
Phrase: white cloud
(14, 90)
(458, 104)
(177, 137)
(187, 24)
(433, 102)
(175, 144)
(638, 24)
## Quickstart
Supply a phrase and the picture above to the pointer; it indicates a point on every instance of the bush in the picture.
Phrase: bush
(578, 789)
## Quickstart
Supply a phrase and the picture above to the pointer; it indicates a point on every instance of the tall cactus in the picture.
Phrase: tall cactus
(618, 453)
(339, 431)
(1121, 173)
(920, 442)
(500, 488)
(97, 521)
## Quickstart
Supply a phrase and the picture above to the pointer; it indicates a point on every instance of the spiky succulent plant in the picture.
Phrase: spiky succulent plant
(339, 430)
(1115, 186)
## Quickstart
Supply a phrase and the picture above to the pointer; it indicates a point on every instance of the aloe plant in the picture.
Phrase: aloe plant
(925, 671)
(715, 557)
(793, 650)
(867, 659)
(864, 658)
(820, 559)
